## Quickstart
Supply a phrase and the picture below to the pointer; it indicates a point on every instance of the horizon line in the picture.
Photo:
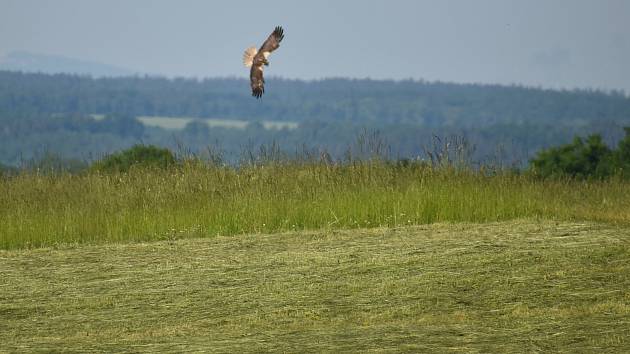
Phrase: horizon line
(140, 75)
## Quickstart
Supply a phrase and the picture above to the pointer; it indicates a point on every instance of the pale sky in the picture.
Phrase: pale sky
(557, 44)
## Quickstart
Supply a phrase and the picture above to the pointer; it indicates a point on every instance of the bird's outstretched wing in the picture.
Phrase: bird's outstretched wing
(260, 59)
(273, 41)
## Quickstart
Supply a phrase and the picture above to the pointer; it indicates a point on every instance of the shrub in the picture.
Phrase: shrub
(584, 158)
(138, 155)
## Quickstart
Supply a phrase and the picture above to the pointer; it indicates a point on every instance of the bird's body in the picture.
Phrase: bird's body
(257, 60)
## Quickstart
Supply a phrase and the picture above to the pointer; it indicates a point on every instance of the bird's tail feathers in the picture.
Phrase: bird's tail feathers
(248, 56)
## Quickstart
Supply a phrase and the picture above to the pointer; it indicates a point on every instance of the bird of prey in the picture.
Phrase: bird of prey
(257, 59)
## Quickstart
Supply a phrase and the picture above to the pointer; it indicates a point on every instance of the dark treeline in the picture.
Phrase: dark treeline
(41, 113)
(415, 102)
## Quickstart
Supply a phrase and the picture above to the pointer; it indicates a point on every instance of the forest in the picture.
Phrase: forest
(82, 118)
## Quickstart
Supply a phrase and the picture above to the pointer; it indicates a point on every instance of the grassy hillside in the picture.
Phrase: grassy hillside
(199, 201)
(519, 286)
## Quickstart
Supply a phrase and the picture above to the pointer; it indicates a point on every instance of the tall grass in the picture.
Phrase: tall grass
(197, 200)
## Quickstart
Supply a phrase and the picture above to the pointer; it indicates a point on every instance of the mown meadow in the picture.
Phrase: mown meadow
(515, 286)
(311, 256)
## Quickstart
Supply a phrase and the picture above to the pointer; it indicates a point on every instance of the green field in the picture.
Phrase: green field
(518, 286)
(176, 123)
(312, 257)
(203, 201)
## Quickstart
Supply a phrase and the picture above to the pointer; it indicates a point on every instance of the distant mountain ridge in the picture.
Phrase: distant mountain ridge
(53, 64)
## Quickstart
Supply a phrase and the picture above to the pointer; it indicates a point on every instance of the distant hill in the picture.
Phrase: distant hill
(52, 64)
(429, 104)
(55, 113)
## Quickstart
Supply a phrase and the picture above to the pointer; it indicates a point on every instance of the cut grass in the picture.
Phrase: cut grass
(518, 286)
(198, 201)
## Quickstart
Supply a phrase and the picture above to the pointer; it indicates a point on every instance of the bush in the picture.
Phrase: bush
(138, 155)
(584, 158)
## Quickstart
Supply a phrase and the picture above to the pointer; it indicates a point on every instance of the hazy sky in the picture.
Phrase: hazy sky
(559, 43)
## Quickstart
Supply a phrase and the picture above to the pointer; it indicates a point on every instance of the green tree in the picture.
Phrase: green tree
(581, 158)
(621, 156)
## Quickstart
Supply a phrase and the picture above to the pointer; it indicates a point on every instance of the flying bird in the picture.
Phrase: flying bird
(257, 59)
